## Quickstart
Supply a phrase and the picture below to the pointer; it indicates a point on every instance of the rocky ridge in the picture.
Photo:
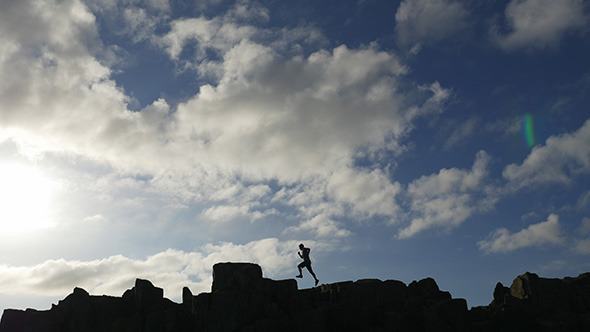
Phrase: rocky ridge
(241, 299)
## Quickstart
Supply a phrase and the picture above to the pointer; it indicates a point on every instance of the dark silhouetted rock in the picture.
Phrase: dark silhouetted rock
(242, 300)
(537, 304)
(232, 276)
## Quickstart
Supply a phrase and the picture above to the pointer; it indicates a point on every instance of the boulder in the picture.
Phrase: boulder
(424, 293)
(232, 276)
(146, 296)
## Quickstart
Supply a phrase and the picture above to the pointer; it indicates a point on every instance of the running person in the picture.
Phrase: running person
(304, 254)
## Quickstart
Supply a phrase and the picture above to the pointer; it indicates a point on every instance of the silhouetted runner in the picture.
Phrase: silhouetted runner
(304, 254)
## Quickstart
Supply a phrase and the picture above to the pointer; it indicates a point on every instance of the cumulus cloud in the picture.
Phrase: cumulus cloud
(170, 269)
(561, 160)
(223, 213)
(539, 23)
(544, 233)
(239, 202)
(200, 43)
(308, 127)
(210, 35)
(269, 112)
(426, 21)
(320, 225)
(446, 199)
(310, 124)
(53, 68)
(367, 193)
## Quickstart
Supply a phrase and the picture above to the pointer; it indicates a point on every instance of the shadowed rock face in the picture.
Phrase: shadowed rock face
(242, 300)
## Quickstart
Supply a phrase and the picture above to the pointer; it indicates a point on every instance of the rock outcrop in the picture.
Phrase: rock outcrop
(537, 304)
(241, 299)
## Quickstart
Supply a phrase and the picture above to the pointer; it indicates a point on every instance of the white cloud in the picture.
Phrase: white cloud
(544, 233)
(424, 21)
(368, 193)
(308, 127)
(201, 43)
(448, 198)
(268, 115)
(97, 218)
(562, 159)
(52, 68)
(539, 23)
(170, 269)
(211, 34)
(309, 124)
(225, 213)
(321, 226)
(76, 28)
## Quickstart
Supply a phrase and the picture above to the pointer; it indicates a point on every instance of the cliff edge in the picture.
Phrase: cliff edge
(241, 299)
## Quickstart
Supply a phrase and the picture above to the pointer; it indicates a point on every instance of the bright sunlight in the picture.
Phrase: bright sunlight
(25, 199)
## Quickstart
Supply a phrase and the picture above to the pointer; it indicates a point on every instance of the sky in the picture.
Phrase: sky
(397, 139)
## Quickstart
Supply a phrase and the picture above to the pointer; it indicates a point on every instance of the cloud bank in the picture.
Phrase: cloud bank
(170, 269)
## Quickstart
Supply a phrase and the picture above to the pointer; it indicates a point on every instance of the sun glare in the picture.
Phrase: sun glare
(25, 199)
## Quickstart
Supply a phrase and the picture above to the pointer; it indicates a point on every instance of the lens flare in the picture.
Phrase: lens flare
(527, 129)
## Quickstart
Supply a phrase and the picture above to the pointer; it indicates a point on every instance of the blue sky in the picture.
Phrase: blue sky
(399, 140)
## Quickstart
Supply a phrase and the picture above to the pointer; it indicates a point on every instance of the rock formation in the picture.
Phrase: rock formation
(242, 300)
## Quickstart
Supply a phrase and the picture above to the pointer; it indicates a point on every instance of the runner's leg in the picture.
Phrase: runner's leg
(313, 274)
(299, 267)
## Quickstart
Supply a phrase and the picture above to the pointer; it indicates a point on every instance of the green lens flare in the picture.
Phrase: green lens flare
(529, 134)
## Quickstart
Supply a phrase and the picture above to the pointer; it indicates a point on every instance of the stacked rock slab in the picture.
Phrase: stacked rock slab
(537, 304)
(241, 299)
